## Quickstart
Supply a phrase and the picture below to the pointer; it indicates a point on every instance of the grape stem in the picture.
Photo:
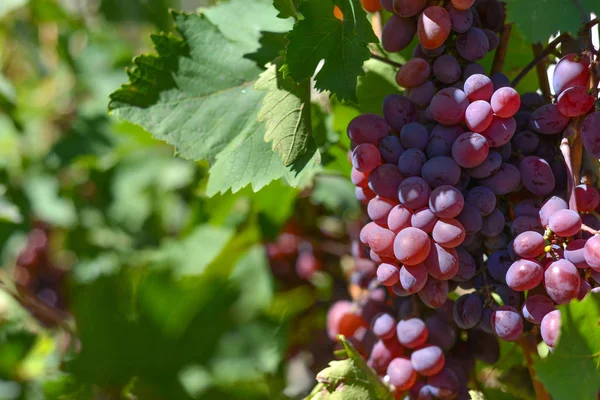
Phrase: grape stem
(542, 72)
(586, 228)
(502, 49)
(529, 345)
(565, 149)
(543, 54)
(386, 60)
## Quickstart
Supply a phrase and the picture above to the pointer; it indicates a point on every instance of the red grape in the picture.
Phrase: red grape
(411, 246)
(433, 27)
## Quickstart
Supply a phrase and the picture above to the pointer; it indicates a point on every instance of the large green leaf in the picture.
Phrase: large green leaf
(286, 8)
(572, 371)
(342, 44)
(197, 95)
(349, 379)
(539, 19)
(286, 112)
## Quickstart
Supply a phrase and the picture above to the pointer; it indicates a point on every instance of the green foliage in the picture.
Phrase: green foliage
(539, 19)
(342, 44)
(349, 379)
(572, 370)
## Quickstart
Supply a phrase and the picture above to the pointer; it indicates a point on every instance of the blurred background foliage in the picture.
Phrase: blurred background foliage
(120, 278)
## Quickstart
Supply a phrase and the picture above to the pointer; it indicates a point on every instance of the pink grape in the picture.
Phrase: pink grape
(524, 275)
(448, 106)
(587, 197)
(441, 263)
(549, 207)
(365, 157)
(562, 281)
(433, 27)
(507, 323)
(470, 149)
(591, 252)
(367, 128)
(537, 176)
(536, 307)
(411, 246)
(479, 87)
(575, 101)
(388, 274)
(401, 373)
(384, 326)
(414, 192)
(381, 241)
(413, 278)
(359, 178)
(399, 218)
(446, 201)
(448, 233)
(571, 70)
(575, 253)
(500, 131)
(412, 333)
(550, 328)
(364, 195)
(505, 102)
(565, 223)
(434, 293)
(529, 244)
(428, 361)
(479, 116)
(423, 219)
(413, 73)
(379, 209)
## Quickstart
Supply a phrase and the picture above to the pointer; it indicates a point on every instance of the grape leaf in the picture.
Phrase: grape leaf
(572, 370)
(272, 44)
(378, 82)
(342, 44)
(286, 113)
(197, 95)
(349, 379)
(286, 8)
(538, 19)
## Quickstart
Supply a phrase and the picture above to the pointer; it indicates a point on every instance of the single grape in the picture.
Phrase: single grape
(504, 181)
(428, 360)
(571, 70)
(411, 161)
(446, 201)
(550, 328)
(412, 332)
(388, 274)
(397, 33)
(483, 199)
(439, 171)
(381, 241)
(461, 20)
(500, 131)
(379, 209)
(414, 136)
(584, 289)
(399, 218)
(590, 134)
(384, 180)
(575, 101)
(413, 278)
(441, 263)
(441, 333)
(433, 27)
(485, 323)
(384, 326)
(498, 264)
(411, 246)
(421, 95)
(505, 102)
(491, 164)
(529, 244)
(587, 197)
(493, 224)
(413, 73)
(492, 37)
(472, 45)
(470, 149)
(548, 120)
(524, 275)
(414, 192)
(575, 253)
(470, 219)
(343, 319)
(591, 252)
(441, 139)
(367, 128)
(358, 178)
(528, 208)
(536, 307)
(365, 157)
(446, 69)
(500, 80)
(444, 385)
(565, 223)
(423, 219)
(434, 293)
(493, 243)
(509, 297)
(466, 265)
(468, 309)
(526, 142)
(408, 8)
(507, 323)
(549, 207)
(401, 373)
(537, 176)
(448, 233)
(448, 106)
(398, 111)
(390, 149)
(562, 281)
(479, 116)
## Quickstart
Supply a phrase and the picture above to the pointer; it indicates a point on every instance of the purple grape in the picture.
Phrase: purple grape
(423, 219)
(470, 219)
(446, 201)
(526, 142)
(367, 128)
(528, 208)
(439, 171)
(490, 165)
(461, 19)
(448, 106)
(492, 38)
(483, 199)
(507, 323)
(500, 131)
(472, 69)
(398, 111)
(500, 80)
(498, 264)
(384, 181)
(467, 311)
(472, 45)
(390, 149)
(411, 161)
(421, 95)
(441, 333)
(466, 265)
(441, 139)
(414, 136)
(397, 33)
(590, 135)
(493, 224)
(536, 307)
(441, 263)
(446, 69)
(434, 293)
(414, 192)
(444, 385)
(531, 101)
(504, 181)
(548, 120)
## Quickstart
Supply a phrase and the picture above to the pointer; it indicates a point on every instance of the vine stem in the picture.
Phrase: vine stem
(586, 228)
(386, 60)
(502, 49)
(529, 345)
(565, 149)
(543, 54)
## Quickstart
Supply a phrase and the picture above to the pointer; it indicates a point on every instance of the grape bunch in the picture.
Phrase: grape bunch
(466, 190)
(290, 251)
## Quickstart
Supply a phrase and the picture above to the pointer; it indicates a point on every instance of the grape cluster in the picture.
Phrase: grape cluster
(291, 252)
(466, 190)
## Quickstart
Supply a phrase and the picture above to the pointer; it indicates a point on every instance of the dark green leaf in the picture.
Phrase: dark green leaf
(342, 44)
(286, 8)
